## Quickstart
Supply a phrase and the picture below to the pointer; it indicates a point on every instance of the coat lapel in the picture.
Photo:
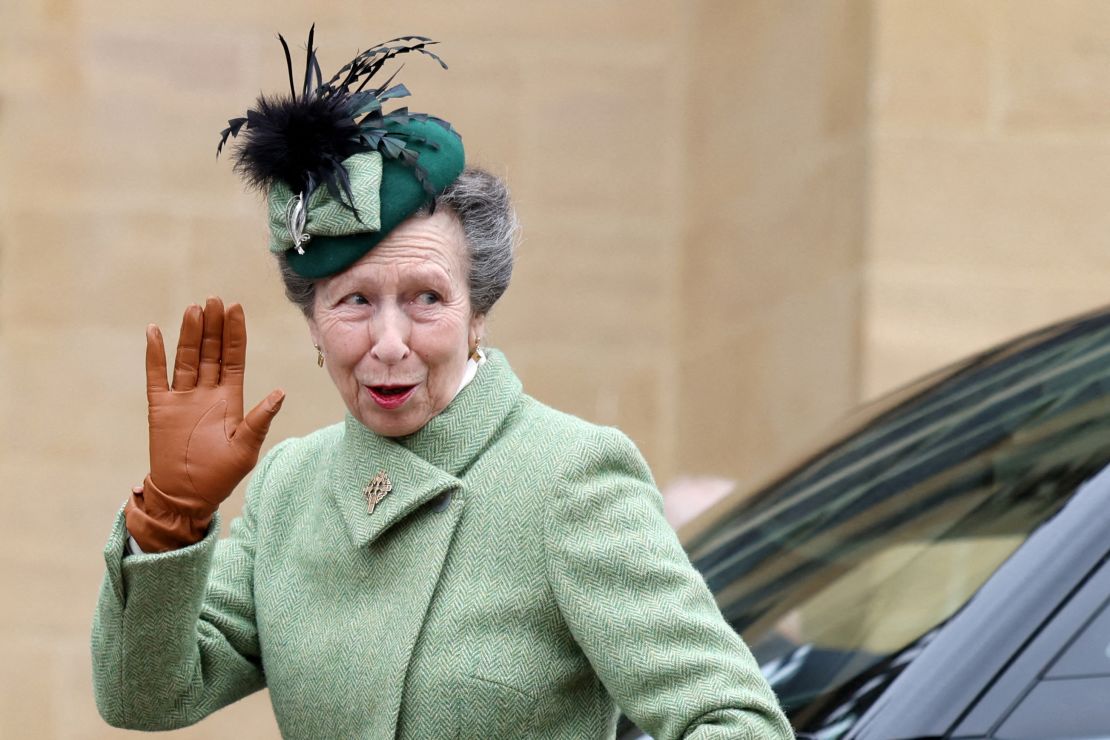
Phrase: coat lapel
(413, 481)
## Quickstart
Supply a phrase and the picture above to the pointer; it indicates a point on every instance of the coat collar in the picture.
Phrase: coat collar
(427, 463)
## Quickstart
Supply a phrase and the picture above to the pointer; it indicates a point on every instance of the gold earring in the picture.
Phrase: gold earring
(319, 356)
(476, 353)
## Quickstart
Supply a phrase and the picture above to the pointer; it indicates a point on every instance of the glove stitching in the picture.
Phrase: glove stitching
(189, 444)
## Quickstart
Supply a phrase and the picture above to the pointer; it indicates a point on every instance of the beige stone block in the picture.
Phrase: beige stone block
(27, 695)
(103, 119)
(33, 127)
(807, 226)
(1056, 72)
(54, 598)
(36, 58)
(228, 255)
(72, 506)
(777, 143)
(72, 706)
(596, 23)
(984, 203)
(585, 283)
(586, 148)
(74, 393)
(634, 19)
(160, 61)
(212, 16)
(756, 399)
(932, 66)
(38, 15)
(53, 558)
(101, 268)
(128, 153)
(767, 79)
(848, 67)
(921, 318)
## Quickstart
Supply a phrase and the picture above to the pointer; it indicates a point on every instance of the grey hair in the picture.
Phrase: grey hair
(489, 223)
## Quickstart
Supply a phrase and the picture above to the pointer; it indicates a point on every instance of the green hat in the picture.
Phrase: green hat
(339, 173)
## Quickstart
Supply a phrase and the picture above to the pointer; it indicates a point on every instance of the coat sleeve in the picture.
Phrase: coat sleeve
(174, 635)
(640, 612)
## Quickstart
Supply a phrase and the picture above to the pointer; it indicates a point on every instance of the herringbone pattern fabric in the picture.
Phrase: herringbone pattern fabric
(517, 582)
(326, 216)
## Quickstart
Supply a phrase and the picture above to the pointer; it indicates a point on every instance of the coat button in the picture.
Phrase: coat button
(440, 502)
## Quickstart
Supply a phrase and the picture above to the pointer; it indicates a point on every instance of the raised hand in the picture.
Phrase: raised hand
(201, 445)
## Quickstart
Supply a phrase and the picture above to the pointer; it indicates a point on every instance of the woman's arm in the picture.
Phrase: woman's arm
(641, 613)
(174, 635)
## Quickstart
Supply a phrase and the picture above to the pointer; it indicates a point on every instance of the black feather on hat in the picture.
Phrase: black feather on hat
(303, 140)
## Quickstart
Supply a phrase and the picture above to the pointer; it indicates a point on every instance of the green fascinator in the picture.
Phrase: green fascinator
(339, 172)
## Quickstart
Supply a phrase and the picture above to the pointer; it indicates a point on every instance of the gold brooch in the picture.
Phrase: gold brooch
(377, 489)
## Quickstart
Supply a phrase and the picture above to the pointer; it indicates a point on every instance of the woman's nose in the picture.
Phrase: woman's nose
(389, 337)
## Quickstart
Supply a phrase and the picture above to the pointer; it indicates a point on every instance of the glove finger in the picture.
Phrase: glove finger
(155, 362)
(211, 346)
(188, 350)
(252, 431)
(235, 346)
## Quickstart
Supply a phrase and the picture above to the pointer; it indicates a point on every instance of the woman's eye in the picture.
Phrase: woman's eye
(356, 299)
(428, 298)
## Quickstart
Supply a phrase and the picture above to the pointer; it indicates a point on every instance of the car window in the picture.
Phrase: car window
(842, 569)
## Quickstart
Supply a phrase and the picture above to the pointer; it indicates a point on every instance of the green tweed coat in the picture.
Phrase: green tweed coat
(519, 581)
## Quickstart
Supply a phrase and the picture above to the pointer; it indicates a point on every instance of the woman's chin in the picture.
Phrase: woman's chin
(396, 422)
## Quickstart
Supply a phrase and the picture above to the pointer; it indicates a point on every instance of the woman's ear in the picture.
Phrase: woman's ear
(477, 330)
(313, 330)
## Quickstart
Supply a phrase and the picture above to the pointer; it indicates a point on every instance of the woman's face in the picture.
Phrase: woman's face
(396, 327)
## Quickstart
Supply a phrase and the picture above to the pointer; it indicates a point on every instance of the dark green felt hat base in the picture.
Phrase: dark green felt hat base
(402, 195)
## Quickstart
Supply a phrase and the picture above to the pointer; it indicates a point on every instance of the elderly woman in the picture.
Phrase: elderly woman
(454, 559)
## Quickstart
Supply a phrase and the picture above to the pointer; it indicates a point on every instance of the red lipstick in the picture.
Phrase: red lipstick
(390, 397)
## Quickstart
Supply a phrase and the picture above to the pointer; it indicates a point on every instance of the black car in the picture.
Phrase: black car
(941, 570)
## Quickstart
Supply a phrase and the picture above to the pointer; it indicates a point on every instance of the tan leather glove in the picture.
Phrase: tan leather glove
(201, 446)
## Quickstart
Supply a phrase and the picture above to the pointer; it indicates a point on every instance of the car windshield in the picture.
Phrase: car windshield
(838, 572)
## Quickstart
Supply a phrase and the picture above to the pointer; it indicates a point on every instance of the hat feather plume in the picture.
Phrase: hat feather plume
(302, 140)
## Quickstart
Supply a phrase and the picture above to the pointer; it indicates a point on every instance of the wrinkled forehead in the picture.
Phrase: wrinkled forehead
(429, 248)
(437, 238)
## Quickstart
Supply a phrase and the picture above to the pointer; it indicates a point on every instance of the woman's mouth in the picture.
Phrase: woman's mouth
(390, 396)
